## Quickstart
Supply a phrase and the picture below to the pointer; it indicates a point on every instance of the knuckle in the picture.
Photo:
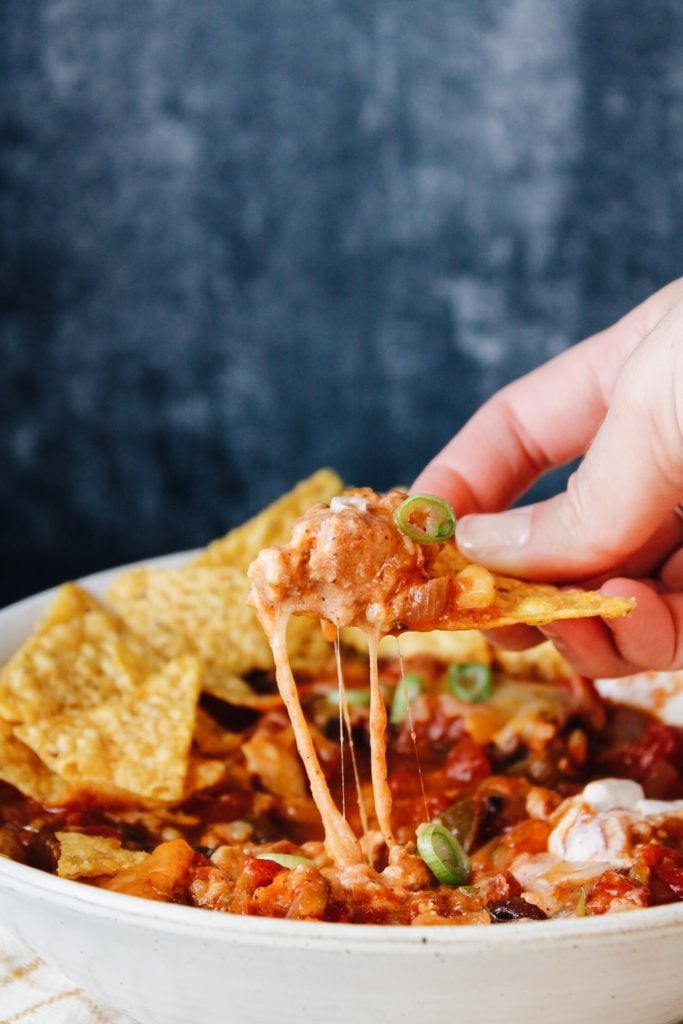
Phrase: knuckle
(595, 537)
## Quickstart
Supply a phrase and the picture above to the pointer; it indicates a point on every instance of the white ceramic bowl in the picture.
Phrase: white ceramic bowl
(165, 964)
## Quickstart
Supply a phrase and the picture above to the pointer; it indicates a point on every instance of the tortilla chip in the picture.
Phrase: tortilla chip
(200, 611)
(307, 648)
(272, 526)
(541, 662)
(234, 690)
(202, 773)
(211, 739)
(86, 856)
(26, 772)
(138, 742)
(517, 601)
(458, 647)
(79, 656)
(203, 611)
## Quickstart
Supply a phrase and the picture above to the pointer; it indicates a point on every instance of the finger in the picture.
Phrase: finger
(523, 431)
(651, 637)
(671, 572)
(587, 645)
(658, 548)
(544, 419)
(649, 560)
(615, 501)
(514, 638)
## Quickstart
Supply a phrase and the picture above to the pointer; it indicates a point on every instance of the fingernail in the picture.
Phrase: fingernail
(489, 536)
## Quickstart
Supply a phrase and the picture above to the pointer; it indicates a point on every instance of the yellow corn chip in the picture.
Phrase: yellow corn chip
(79, 656)
(203, 611)
(202, 773)
(460, 646)
(541, 662)
(211, 739)
(517, 601)
(26, 772)
(138, 742)
(308, 649)
(200, 611)
(86, 856)
(272, 526)
(234, 690)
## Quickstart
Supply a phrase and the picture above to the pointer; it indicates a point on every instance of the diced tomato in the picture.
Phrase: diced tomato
(666, 867)
(613, 891)
(671, 875)
(261, 870)
(466, 761)
(658, 743)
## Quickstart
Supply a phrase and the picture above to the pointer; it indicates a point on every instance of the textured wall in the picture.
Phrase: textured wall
(244, 239)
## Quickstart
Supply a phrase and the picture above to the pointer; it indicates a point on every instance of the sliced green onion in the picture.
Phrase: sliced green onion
(407, 689)
(354, 698)
(286, 860)
(472, 683)
(443, 854)
(425, 518)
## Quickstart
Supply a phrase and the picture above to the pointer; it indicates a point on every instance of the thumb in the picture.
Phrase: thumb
(629, 480)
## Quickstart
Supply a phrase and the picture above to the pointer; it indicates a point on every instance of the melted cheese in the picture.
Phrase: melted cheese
(378, 747)
(340, 842)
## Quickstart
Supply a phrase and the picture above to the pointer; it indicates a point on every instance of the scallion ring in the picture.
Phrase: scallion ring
(286, 860)
(472, 683)
(407, 689)
(443, 854)
(425, 518)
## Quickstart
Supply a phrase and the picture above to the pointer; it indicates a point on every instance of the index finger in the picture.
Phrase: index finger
(543, 420)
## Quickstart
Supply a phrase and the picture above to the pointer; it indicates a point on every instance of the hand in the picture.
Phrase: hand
(616, 399)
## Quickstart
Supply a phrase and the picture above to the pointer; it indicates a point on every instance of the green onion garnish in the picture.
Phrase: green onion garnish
(443, 854)
(425, 518)
(286, 860)
(472, 683)
(407, 689)
(354, 698)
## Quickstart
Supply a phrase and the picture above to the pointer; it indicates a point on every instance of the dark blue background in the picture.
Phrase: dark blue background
(241, 240)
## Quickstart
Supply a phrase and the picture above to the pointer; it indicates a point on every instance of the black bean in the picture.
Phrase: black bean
(515, 909)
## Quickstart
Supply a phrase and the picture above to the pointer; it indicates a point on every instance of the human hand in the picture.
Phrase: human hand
(616, 399)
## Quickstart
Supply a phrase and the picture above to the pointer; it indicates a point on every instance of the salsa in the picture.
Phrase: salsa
(509, 777)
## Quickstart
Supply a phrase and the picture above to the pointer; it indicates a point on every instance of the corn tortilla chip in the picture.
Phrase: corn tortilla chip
(203, 611)
(87, 856)
(211, 739)
(541, 662)
(26, 772)
(80, 655)
(308, 649)
(234, 690)
(460, 646)
(517, 601)
(200, 611)
(138, 742)
(272, 526)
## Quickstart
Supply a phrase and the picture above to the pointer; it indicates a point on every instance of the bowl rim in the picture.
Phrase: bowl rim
(28, 881)
(73, 895)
